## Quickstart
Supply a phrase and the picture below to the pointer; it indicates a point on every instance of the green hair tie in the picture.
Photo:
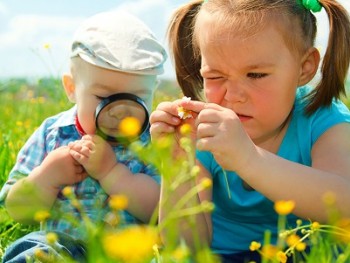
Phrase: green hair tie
(205, 1)
(313, 5)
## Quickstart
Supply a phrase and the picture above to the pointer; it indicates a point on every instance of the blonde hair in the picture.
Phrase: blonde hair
(248, 16)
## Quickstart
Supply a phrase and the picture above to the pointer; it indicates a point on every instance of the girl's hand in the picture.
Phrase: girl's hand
(220, 132)
(94, 154)
(166, 120)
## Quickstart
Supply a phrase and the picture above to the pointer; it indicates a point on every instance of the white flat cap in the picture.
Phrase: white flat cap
(119, 41)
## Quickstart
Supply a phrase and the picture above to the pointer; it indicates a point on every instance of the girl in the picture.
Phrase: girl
(276, 138)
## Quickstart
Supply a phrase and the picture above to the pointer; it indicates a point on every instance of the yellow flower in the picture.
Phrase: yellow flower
(183, 113)
(344, 224)
(281, 257)
(294, 241)
(301, 246)
(67, 191)
(180, 253)
(206, 183)
(315, 225)
(133, 244)
(284, 207)
(269, 252)
(118, 202)
(40, 254)
(185, 129)
(47, 46)
(130, 127)
(51, 238)
(41, 216)
(254, 246)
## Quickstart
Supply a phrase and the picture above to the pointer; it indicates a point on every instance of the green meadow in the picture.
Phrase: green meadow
(25, 104)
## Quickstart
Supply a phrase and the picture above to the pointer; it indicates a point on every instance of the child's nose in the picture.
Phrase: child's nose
(235, 92)
(119, 112)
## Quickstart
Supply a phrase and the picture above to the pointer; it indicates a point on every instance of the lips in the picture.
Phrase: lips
(244, 117)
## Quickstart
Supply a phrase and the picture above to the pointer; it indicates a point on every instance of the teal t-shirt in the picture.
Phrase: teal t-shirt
(248, 214)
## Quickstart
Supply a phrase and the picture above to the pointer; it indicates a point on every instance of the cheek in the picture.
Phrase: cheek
(214, 94)
(87, 120)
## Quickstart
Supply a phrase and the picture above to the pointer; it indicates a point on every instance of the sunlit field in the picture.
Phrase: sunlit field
(26, 104)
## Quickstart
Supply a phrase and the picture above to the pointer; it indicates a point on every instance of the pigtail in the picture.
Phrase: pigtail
(336, 60)
(187, 63)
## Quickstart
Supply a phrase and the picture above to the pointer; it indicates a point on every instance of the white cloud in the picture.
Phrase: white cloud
(31, 30)
(3, 9)
(23, 39)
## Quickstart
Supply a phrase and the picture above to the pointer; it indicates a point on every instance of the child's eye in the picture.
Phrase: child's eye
(256, 75)
(99, 98)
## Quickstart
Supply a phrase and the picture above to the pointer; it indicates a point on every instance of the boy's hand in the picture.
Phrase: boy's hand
(95, 154)
(59, 168)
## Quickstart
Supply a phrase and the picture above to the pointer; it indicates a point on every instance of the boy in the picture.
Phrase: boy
(112, 53)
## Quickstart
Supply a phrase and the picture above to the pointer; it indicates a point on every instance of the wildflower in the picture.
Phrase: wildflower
(130, 127)
(294, 241)
(183, 113)
(344, 224)
(51, 238)
(299, 222)
(254, 246)
(269, 252)
(281, 257)
(19, 123)
(41, 216)
(47, 46)
(284, 207)
(315, 225)
(67, 191)
(185, 129)
(118, 202)
(133, 244)
(180, 253)
(206, 183)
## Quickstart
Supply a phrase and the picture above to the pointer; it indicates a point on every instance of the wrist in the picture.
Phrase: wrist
(110, 181)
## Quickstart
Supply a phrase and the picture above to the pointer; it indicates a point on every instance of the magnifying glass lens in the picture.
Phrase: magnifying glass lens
(118, 119)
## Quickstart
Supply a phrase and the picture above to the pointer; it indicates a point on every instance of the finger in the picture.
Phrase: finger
(198, 106)
(80, 158)
(205, 144)
(159, 129)
(211, 115)
(206, 130)
(87, 137)
(166, 117)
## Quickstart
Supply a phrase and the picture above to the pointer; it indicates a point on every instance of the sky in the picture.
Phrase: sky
(26, 26)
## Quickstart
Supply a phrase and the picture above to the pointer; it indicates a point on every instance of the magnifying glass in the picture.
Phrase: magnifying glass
(111, 111)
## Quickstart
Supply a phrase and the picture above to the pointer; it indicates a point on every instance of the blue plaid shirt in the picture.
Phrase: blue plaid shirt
(58, 131)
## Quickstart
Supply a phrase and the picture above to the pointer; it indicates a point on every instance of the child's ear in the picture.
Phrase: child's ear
(69, 87)
(310, 63)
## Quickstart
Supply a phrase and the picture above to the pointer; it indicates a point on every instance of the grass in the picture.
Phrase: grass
(25, 105)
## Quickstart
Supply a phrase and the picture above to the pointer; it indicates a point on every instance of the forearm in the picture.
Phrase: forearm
(28, 196)
(280, 179)
(141, 190)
